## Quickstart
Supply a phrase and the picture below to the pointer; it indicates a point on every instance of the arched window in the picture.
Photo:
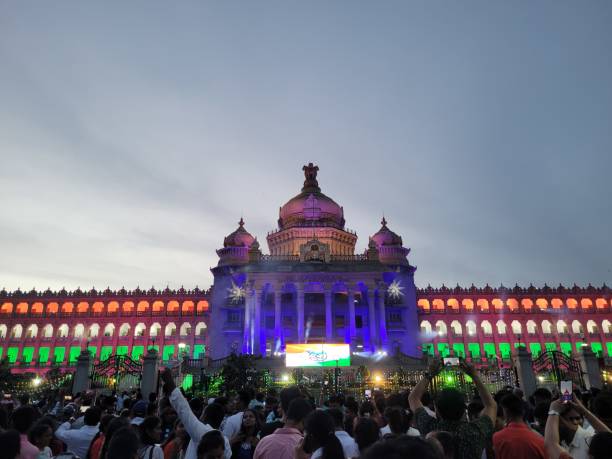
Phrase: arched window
(501, 327)
(517, 328)
(187, 307)
(546, 327)
(16, 331)
(62, 331)
(562, 327)
(158, 306)
(202, 306)
(143, 306)
(128, 307)
(97, 307)
(112, 307)
(532, 329)
(592, 327)
(423, 304)
(498, 304)
(426, 328)
(542, 304)
(155, 330)
(586, 303)
(79, 331)
(606, 325)
(22, 308)
(468, 304)
(453, 305)
(109, 330)
(483, 305)
(124, 330)
(438, 305)
(139, 330)
(185, 329)
(486, 327)
(3, 330)
(173, 306)
(82, 307)
(470, 327)
(556, 303)
(36, 308)
(52, 308)
(32, 331)
(441, 328)
(200, 329)
(577, 327)
(47, 331)
(7, 308)
(170, 329)
(571, 303)
(600, 303)
(94, 331)
(457, 329)
(67, 308)
(512, 304)
(527, 304)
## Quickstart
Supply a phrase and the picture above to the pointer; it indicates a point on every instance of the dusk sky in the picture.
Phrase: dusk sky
(134, 135)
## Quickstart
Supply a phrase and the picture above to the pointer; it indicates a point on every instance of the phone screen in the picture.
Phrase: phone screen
(452, 361)
(566, 391)
(368, 393)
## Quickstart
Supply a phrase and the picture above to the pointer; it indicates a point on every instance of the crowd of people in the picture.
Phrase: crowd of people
(290, 424)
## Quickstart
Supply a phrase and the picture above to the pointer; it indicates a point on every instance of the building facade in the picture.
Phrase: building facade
(310, 287)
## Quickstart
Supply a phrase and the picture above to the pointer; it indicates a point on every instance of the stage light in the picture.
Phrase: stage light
(384, 353)
(377, 378)
(36, 381)
(285, 377)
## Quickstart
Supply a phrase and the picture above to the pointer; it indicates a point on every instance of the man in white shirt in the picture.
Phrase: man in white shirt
(349, 446)
(78, 440)
(232, 424)
(574, 438)
(212, 417)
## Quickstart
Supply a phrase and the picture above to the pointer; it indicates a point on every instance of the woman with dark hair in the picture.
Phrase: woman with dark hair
(114, 426)
(10, 444)
(319, 437)
(123, 444)
(366, 433)
(40, 435)
(244, 442)
(150, 436)
(211, 446)
(176, 444)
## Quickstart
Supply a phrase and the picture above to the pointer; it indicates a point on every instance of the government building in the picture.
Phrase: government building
(309, 287)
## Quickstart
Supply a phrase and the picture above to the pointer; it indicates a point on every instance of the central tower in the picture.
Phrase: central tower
(311, 215)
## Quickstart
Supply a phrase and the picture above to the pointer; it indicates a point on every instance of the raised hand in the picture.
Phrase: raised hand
(168, 380)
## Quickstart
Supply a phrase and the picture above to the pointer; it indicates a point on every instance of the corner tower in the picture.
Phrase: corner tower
(311, 215)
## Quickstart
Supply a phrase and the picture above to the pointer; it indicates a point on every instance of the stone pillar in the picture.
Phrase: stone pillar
(246, 346)
(148, 382)
(300, 313)
(527, 378)
(372, 318)
(278, 330)
(328, 314)
(383, 315)
(590, 368)
(81, 376)
(351, 312)
(258, 299)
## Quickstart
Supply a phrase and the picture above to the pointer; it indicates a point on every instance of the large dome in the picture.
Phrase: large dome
(311, 207)
(386, 237)
(239, 238)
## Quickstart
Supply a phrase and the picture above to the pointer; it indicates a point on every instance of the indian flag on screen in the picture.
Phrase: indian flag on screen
(318, 355)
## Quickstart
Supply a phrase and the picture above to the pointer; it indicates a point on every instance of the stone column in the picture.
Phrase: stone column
(81, 376)
(148, 382)
(258, 299)
(328, 313)
(300, 312)
(590, 367)
(527, 378)
(372, 318)
(383, 315)
(246, 346)
(351, 312)
(278, 330)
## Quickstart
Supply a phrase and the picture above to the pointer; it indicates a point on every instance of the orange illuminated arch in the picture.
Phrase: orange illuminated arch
(52, 308)
(586, 303)
(113, 306)
(571, 303)
(158, 306)
(202, 306)
(187, 307)
(67, 307)
(143, 306)
(483, 305)
(527, 304)
(601, 303)
(556, 303)
(423, 304)
(172, 306)
(36, 308)
(438, 305)
(22, 308)
(7, 308)
(542, 303)
(97, 307)
(453, 304)
(83, 306)
(512, 304)
(128, 306)
(468, 304)
(498, 304)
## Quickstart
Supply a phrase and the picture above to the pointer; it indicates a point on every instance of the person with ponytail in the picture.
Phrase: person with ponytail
(320, 438)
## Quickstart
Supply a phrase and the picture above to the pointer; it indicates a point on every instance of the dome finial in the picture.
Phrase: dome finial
(383, 222)
(310, 173)
(241, 222)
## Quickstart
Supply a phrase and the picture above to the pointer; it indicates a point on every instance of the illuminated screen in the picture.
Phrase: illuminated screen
(318, 355)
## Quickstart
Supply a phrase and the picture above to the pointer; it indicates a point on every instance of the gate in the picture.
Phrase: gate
(118, 372)
(552, 367)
